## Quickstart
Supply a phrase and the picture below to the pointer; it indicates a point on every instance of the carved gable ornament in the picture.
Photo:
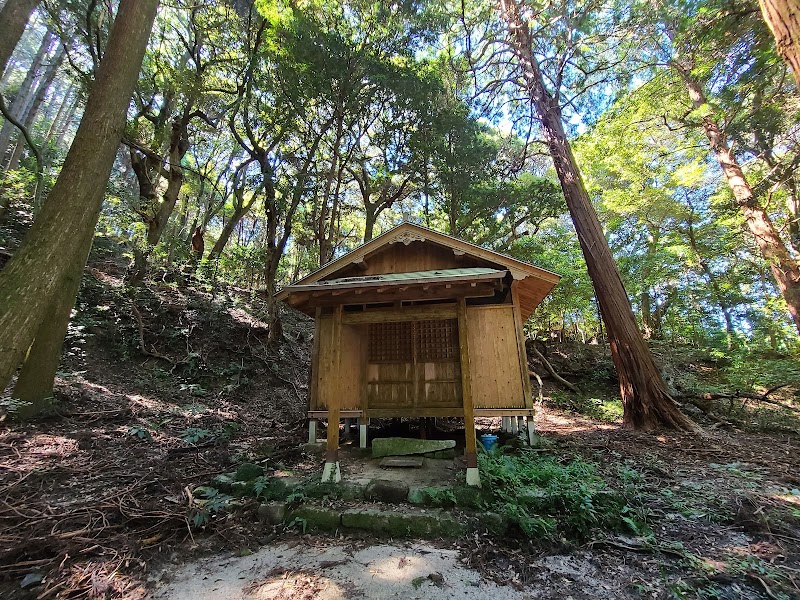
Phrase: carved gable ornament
(406, 237)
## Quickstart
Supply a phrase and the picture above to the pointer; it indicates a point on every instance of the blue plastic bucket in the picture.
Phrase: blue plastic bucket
(489, 441)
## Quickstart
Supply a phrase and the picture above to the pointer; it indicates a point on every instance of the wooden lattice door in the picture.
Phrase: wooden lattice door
(413, 365)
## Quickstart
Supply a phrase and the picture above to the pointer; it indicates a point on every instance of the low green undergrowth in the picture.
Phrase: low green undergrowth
(594, 404)
(549, 499)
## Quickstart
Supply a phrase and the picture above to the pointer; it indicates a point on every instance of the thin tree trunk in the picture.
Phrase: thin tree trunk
(370, 217)
(226, 232)
(59, 116)
(783, 18)
(785, 270)
(145, 167)
(33, 110)
(178, 147)
(646, 401)
(646, 308)
(54, 243)
(62, 127)
(712, 280)
(13, 18)
(327, 218)
(25, 94)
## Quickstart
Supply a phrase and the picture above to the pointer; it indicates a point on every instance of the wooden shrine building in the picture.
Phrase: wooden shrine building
(416, 323)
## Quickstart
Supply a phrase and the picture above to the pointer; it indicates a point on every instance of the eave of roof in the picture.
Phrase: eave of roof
(392, 279)
(519, 269)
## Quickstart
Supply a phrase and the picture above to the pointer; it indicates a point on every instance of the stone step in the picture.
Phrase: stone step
(414, 523)
(404, 446)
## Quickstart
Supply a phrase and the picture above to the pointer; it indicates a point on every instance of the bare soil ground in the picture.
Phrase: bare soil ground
(97, 502)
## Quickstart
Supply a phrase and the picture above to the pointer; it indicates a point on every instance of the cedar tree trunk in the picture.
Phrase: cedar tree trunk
(38, 372)
(36, 272)
(25, 94)
(646, 401)
(783, 18)
(13, 18)
(785, 270)
(33, 110)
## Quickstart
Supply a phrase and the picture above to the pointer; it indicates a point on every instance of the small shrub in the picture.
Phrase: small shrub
(194, 434)
(547, 499)
(140, 433)
(206, 502)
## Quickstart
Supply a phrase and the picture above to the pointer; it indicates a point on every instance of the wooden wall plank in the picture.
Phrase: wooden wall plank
(409, 313)
(522, 352)
(313, 388)
(401, 258)
(496, 378)
(325, 374)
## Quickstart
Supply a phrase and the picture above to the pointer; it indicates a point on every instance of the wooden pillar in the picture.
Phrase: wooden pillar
(312, 431)
(473, 477)
(363, 424)
(331, 472)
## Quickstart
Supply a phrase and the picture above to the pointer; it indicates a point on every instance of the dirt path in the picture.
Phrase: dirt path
(337, 571)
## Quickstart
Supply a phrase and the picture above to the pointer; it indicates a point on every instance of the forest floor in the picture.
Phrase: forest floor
(163, 387)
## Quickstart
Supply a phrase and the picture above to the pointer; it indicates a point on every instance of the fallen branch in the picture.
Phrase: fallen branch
(142, 347)
(535, 375)
(737, 394)
(553, 374)
(645, 548)
(763, 585)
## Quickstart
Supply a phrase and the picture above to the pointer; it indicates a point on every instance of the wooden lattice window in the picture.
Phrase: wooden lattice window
(437, 340)
(390, 342)
(417, 341)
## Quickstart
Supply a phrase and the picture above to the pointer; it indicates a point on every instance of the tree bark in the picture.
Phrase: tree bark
(783, 19)
(178, 146)
(646, 401)
(370, 218)
(38, 373)
(13, 18)
(225, 234)
(785, 270)
(54, 244)
(33, 110)
(712, 280)
(25, 93)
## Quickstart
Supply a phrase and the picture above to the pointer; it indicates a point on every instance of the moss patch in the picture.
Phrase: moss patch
(312, 518)
(400, 524)
(405, 446)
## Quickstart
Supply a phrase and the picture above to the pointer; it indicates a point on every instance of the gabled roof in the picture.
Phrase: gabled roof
(535, 282)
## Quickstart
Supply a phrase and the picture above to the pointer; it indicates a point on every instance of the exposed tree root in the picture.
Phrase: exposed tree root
(553, 374)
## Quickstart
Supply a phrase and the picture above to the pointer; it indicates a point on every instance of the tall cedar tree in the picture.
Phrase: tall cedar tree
(36, 278)
(13, 18)
(785, 269)
(646, 401)
(783, 18)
